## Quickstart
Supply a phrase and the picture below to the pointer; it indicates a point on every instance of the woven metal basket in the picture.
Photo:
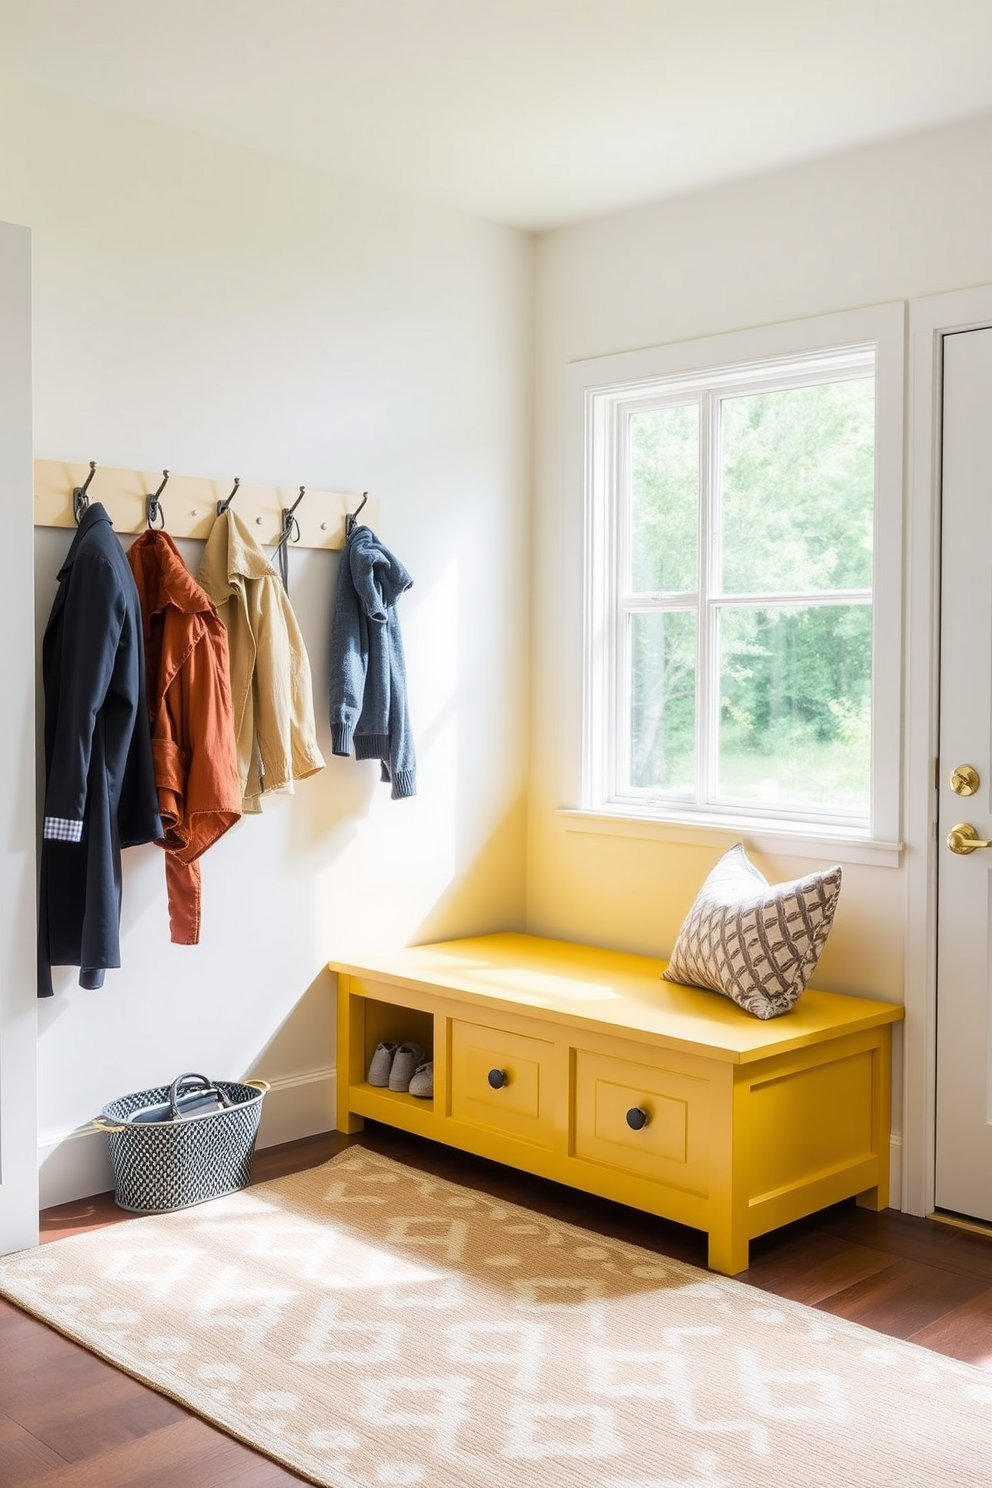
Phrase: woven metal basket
(175, 1163)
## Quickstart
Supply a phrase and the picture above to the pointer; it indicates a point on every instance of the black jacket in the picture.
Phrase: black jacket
(100, 791)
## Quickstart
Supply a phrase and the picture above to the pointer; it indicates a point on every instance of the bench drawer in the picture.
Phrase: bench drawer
(673, 1145)
(502, 1080)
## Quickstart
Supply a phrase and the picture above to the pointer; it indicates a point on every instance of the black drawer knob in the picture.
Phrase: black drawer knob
(497, 1078)
(637, 1117)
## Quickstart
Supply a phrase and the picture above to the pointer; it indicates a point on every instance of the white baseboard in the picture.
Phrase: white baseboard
(895, 1171)
(72, 1166)
(299, 1106)
(75, 1164)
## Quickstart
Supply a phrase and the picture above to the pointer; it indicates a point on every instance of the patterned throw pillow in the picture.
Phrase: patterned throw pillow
(756, 942)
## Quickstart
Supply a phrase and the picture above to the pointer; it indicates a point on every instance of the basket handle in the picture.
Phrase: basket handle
(262, 1085)
(176, 1089)
(105, 1125)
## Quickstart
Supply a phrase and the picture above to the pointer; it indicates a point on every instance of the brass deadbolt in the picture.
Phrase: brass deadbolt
(964, 780)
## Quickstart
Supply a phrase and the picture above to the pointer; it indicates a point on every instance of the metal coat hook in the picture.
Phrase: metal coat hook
(223, 505)
(351, 520)
(155, 516)
(80, 500)
(289, 523)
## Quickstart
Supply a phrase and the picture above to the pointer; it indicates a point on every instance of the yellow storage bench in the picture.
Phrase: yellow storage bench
(581, 1065)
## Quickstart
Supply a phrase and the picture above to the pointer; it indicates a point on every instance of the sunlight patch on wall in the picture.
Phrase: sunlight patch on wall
(403, 857)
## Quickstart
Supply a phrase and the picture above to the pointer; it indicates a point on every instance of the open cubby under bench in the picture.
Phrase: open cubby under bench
(581, 1065)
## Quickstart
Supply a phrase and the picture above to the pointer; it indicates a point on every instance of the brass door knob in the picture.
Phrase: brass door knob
(964, 839)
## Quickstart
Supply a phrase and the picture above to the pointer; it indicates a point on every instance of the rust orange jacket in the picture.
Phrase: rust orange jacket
(192, 721)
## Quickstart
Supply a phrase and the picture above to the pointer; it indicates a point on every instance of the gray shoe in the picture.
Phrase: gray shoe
(382, 1062)
(422, 1083)
(406, 1060)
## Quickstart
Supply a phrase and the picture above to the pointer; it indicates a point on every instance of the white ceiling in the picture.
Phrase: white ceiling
(530, 112)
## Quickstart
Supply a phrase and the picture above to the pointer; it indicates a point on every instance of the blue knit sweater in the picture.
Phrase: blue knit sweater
(368, 672)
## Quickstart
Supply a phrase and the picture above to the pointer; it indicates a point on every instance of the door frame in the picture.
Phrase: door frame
(18, 955)
(930, 319)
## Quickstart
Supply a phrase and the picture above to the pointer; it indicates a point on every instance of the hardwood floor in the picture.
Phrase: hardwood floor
(69, 1420)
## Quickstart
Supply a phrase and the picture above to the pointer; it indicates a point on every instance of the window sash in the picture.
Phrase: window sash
(707, 753)
(612, 412)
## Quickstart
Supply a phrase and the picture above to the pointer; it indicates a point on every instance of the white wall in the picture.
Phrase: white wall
(866, 227)
(219, 312)
(18, 957)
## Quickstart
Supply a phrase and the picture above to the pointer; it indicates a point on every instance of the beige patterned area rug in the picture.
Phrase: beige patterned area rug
(366, 1324)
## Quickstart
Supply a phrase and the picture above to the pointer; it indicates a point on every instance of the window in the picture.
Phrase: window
(736, 656)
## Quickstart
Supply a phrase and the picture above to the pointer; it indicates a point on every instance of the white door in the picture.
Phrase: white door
(18, 989)
(964, 934)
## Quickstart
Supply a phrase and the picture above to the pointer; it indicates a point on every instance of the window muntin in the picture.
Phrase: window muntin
(738, 624)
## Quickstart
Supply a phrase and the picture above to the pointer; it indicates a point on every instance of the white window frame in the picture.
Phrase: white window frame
(602, 389)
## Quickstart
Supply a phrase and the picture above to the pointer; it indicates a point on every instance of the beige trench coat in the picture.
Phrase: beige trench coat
(271, 683)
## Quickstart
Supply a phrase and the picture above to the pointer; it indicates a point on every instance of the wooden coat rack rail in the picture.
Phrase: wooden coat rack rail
(189, 503)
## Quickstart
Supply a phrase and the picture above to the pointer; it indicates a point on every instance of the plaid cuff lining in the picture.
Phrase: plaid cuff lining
(62, 829)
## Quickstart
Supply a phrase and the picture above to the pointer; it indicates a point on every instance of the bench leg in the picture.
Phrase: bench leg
(878, 1197)
(351, 1054)
(728, 1252)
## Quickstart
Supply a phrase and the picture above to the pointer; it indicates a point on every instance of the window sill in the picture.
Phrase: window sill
(779, 838)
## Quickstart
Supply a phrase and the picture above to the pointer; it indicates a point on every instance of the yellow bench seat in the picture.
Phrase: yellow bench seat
(606, 1078)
